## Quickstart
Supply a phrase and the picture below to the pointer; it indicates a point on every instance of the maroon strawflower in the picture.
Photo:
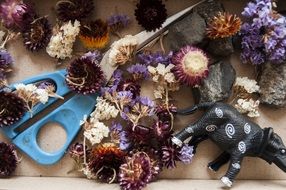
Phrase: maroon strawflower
(74, 9)
(151, 14)
(8, 159)
(191, 65)
(136, 172)
(37, 34)
(84, 76)
(12, 108)
(130, 85)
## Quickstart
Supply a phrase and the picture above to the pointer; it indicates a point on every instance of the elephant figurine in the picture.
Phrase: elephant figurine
(235, 134)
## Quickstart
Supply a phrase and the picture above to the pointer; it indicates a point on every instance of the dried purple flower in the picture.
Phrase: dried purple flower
(8, 159)
(162, 130)
(186, 154)
(117, 22)
(16, 13)
(146, 101)
(154, 58)
(5, 64)
(12, 108)
(94, 56)
(138, 71)
(74, 9)
(76, 150)
(84, 76)
(37, 34)
(151, 14)
(136, 172)
(131, 86)
(263, 35)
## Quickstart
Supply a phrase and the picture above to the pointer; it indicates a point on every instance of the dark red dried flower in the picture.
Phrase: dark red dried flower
(105, 161)
(130, 85)
(77, 150)
(170, 154)
(163, 113)
(151, 14)
(136, 172)
(37, 34)
(74, 9)
(8, 159)
(84, 76)
(12, 108)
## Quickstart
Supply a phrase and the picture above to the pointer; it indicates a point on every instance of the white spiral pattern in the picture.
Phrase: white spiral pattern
(229, 130)
(219, 113)
(242, 147)
(211, 128)
(247, 128)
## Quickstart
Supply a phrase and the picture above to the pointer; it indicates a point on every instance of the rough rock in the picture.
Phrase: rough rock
(188, 31)
(272, 84)
(218, 85)
(220, 47)
(209, 9)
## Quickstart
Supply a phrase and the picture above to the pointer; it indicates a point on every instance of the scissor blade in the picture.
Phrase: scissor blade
(144, 38)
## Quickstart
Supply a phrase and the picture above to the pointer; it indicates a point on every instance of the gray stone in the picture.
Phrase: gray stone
(209, 9)
(218, 85)
(220, 47)
(272, 84)
(188, 31)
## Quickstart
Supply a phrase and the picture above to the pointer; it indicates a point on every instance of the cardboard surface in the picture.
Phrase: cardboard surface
(29, 64)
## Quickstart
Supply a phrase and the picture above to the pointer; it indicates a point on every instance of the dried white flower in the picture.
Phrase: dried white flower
(104, 110)
(249, 85)
(42, 95)
(123, 50)
(163, 72)
(158, 93)
(249, 107)
(61, 44)
(96, 131)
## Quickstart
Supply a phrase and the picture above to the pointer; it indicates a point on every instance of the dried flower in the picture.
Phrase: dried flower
(104, 110)
(131, 86)
(16, 13)
(223, 25)
(117, 22)
(263, 35)
(138, 71)
(153, 59)
(5, 65)
(151, 14)
(123, 50)
(249, 107)
(37, 34)
(12, 108)
(95, 131)
(136, 172)
(105, 162)
(8, 159)
(186, 154)
(84, 76)
(94, 56)
(74, 9)
(250, 86)
(61, 43)
(191, 65)
(94, 34)
(76, 150)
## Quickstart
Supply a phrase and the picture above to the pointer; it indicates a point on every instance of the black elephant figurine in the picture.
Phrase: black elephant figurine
(236, 135)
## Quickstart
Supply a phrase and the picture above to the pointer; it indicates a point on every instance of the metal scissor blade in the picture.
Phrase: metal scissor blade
(144, 38)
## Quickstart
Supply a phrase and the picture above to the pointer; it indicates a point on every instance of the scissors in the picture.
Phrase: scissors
(71, 111)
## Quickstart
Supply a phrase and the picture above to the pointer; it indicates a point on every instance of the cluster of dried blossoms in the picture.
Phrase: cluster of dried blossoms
(244, 89)
(127, 137)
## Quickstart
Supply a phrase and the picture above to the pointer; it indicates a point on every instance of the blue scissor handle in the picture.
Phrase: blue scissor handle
(58, 78)
(68, 116)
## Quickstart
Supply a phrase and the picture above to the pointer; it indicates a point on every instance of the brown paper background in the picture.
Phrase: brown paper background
(29, 64)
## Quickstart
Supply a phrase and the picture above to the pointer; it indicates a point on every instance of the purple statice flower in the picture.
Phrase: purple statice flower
(186, 154)
(117, 76)
(15, 13)
(154, 58)
(264, 34)
(124, 141)
(138, 71)
(117, 22)
(124, 96)
(147, 102)
(94, 56)
(5, 59)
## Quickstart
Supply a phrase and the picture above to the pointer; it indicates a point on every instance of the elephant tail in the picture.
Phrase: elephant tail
(194, 108)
